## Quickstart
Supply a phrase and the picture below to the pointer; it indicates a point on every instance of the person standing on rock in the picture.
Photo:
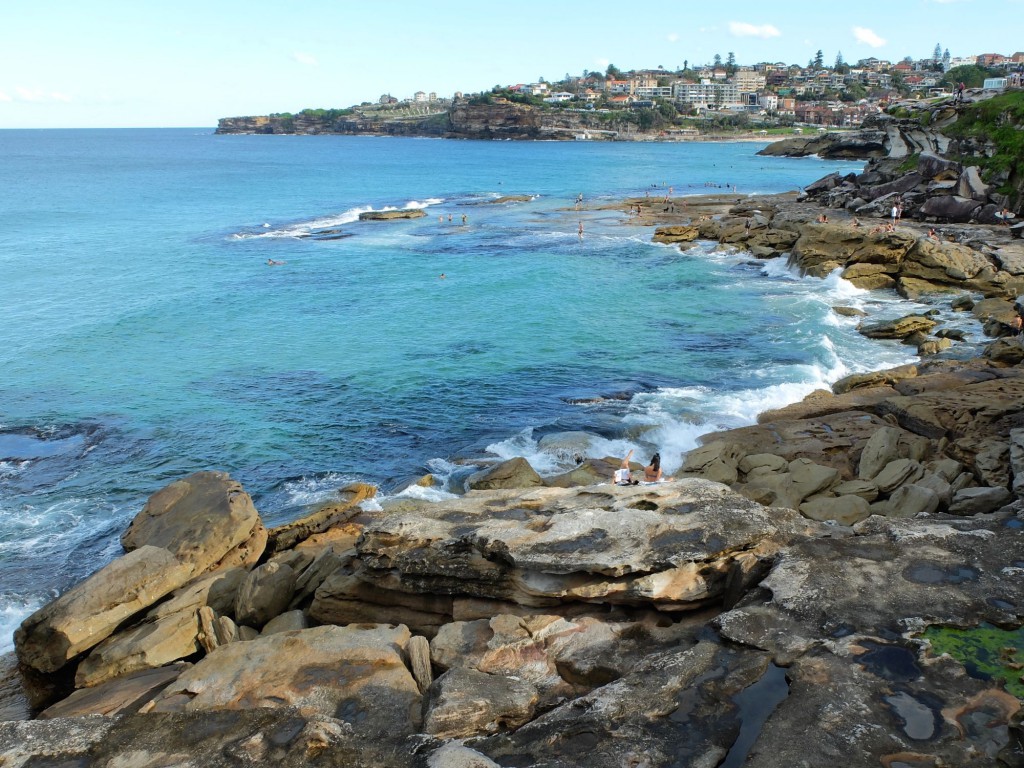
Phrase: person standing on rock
(895, 213)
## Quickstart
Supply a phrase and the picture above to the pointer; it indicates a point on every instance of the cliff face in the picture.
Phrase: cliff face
(464, 120)
(353, 125)
(495, 121)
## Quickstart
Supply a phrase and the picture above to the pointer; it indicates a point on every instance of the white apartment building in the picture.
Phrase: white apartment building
(707, 94)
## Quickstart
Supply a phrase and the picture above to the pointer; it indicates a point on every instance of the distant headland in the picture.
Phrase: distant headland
(716, 101)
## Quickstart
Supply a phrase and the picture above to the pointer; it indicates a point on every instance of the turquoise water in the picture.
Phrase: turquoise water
(146, 336)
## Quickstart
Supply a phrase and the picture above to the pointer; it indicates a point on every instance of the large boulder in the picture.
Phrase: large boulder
(355, 673)
(683, 233)
(932, 166)
(900, 328)
(970, 184)
(823, 247)
(845, 510)
(950, 208)
(149, 645)
(670, 546)
(881, 448)
(949, 263)
(264, 593)
(833, 439)
(513, 473)
(90, 612)
(464, 702)
(201, 519)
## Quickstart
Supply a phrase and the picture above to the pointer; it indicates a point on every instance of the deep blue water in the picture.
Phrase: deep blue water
(145, 335)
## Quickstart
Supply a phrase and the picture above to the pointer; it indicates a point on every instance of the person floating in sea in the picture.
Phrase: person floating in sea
(464, 219)
(442, 276)
(580, 230)
(449, 217)
(274, 263)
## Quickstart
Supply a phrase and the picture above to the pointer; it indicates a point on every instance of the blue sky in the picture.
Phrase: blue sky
(142, 63)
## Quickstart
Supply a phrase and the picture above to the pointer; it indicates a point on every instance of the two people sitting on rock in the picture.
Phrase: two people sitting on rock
(652, 472)
(823, 219)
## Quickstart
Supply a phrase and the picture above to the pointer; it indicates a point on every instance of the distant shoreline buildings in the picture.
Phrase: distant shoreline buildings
(838, 95)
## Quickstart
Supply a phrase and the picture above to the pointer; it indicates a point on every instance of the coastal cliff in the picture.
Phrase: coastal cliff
(465, 119)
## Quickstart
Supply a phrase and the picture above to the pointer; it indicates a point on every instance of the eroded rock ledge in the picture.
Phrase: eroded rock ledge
(640, 625)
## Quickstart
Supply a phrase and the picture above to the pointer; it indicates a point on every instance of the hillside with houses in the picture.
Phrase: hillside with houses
(717, 98)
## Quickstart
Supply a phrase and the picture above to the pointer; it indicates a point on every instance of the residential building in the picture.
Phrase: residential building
(748, 81)
(707, 94)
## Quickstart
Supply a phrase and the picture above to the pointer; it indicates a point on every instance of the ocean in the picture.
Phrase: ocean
(147, 337)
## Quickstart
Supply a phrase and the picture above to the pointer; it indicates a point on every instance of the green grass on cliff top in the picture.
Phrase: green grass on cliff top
(999, 120)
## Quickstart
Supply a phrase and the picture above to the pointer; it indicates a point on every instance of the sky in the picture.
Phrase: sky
(186, 63)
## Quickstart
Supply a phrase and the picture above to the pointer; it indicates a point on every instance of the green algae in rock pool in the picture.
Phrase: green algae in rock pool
(918, 719)
(987, 652)
(756, 703)
(890, 662)
(927, 573)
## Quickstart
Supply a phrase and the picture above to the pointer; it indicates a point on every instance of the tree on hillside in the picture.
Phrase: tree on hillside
(686, 64)
(840, 65)
(613, 72)
(718, 60)
(937, 53)
(819, 59)
(970, 75)
(730, 63)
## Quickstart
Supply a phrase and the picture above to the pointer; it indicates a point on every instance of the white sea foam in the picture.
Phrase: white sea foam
(314, 489)
(13, 611)
(523, 444)
(306, 228)
(425, 494)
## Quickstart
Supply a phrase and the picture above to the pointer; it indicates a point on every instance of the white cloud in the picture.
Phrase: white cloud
(28, 94)
(743, 29)
(306, 59)
(868, 37)
(602, 63)
(35, 95)
(672, 37)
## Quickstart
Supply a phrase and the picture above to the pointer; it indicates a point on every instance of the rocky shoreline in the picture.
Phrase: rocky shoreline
(839, 583)
(782, 583)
